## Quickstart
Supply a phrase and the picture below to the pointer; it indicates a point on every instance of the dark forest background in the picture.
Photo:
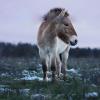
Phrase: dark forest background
(29, 50)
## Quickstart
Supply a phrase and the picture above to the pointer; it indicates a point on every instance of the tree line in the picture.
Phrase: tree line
(18, 50)
(29, 50)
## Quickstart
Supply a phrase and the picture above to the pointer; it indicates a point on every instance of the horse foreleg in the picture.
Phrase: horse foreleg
(64, 60)
(53, 68)
(44, 68)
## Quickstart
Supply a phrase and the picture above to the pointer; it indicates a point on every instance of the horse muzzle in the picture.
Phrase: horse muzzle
(73, 43)
(73, 40)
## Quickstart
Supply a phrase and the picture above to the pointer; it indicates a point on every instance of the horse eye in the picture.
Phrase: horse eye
(65, 14)
(66, 24)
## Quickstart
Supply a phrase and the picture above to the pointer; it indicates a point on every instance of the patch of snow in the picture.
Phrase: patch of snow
(24, 91)
(30, 75)
(91, 94)
(27, 73)
(33, 73)
(3, 90)
(4, 74)
(72, 71)
(38, 97)
(40, 65)
(32, 78)
(93, 85)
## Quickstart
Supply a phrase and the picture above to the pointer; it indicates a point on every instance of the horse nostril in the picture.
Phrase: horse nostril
(76, 41)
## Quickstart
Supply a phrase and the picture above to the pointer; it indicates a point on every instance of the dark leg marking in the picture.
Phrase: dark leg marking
(53, 69)
(44, 68)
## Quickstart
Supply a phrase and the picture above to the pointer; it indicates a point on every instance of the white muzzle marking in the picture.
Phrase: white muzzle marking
(73, 40)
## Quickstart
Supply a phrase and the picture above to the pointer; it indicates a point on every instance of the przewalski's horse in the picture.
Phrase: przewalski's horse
(56, 34)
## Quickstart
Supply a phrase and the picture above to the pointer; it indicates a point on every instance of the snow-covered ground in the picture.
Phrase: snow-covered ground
(32, 78)
(33, 75)
(91, 94)
(72, 71)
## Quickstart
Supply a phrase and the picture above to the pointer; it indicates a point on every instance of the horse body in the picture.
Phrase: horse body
(54, 38)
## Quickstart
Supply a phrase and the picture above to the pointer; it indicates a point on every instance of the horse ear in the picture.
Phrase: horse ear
(59, 18)
(62, 13)
(66, 13)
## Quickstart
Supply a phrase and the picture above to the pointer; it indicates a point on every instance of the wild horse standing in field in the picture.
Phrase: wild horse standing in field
(56, 34)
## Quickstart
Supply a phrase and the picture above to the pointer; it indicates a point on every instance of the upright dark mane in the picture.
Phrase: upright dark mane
(55, 12)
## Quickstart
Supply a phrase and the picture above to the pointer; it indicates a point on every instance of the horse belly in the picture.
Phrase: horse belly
(61, 46)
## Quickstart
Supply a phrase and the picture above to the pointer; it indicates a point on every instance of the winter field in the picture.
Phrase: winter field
(21, 79)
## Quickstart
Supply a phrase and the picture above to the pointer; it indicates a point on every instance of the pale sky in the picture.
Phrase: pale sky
(20, 19)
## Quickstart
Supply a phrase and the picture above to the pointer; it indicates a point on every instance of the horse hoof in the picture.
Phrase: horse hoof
(65, 78)
(54, 80)
(45, 79)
